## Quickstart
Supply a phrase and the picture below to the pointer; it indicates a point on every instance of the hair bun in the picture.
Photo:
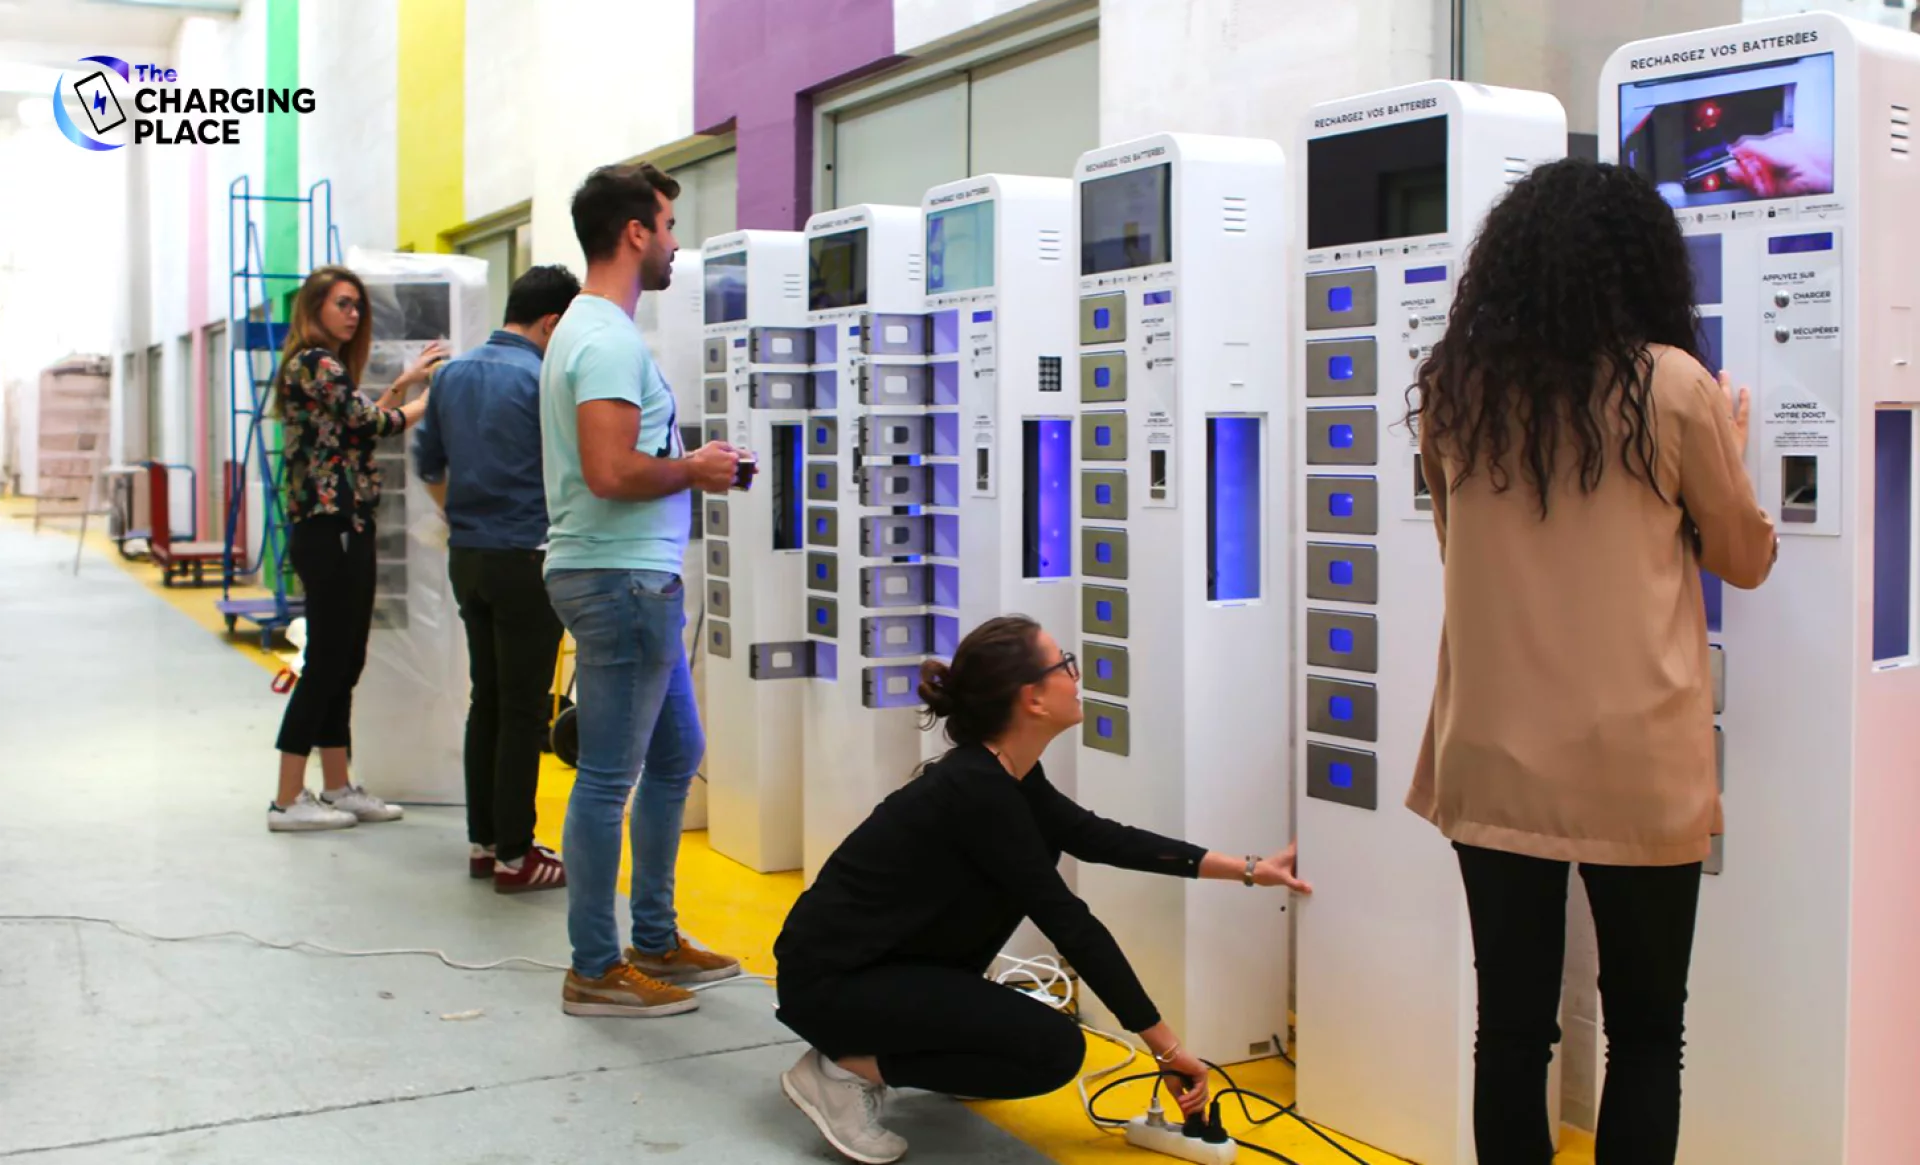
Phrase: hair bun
(934, 692)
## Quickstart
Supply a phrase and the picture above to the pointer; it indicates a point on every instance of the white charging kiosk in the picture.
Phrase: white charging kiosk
(1181, 384)
(670, 322)
(1392, 187)
(881, 527)
(1787, 149)
(755, 360)
(997, 283)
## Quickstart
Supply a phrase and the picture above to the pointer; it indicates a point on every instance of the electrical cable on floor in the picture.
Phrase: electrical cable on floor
(305, 947)
(1107, 1125)
(1232, 1090)
(1289, 1111)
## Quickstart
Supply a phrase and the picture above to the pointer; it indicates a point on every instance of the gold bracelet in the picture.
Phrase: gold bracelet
(1167, 1057)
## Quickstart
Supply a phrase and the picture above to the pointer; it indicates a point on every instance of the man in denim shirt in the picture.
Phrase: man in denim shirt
(478, 450)
(617, 485)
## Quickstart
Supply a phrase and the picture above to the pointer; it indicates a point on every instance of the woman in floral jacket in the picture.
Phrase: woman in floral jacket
(333, 488)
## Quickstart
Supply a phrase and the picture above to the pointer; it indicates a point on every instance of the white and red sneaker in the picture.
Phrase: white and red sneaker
(480, 861)
(540, 869)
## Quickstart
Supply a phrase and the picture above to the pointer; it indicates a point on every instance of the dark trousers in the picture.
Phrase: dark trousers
(512, 639)
(336, 571)
(938, 1029)
(1643, 917)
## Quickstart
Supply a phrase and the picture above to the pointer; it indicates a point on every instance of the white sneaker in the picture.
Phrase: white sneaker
(307, 814)
(846, 1111)
(362, 804)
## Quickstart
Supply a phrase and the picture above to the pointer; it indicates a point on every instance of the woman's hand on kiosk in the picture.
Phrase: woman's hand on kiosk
(422, 366)
(1740, 401)
(1278, 870)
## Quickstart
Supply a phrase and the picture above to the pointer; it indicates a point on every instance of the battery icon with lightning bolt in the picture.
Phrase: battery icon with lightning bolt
(103, 108)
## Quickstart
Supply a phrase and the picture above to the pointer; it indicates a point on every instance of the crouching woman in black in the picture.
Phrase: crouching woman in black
(882, 960)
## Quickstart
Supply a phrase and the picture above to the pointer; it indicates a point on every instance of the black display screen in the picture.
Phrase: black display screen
(1126, 220)
(1385, 183)
(726, 288)
(837, 270)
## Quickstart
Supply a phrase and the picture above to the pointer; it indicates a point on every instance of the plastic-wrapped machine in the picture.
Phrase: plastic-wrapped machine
(410, 710)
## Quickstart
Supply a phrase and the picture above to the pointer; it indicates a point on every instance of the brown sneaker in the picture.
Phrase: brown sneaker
(685, 963)
(624, 992)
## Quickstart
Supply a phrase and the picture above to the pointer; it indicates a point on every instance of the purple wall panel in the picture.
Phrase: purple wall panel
(754, 64)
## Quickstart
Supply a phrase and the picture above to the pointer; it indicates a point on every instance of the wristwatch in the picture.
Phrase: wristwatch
(1251, 863)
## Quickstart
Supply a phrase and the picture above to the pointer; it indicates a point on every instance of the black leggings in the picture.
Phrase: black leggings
(1643, 917)
(940, 1029)
(336, 570)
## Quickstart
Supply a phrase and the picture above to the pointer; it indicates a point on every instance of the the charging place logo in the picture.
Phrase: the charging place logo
(98, 103)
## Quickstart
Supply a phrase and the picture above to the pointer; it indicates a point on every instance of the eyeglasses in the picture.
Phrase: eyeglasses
(1068, 663)
(347, 303)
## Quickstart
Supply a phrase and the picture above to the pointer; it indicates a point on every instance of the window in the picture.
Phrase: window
(156, 449)
(508, 251)
(213, 387)
(706, 208)
(1561, 48)
(133, 404)
(1023, 109)
(709, 192)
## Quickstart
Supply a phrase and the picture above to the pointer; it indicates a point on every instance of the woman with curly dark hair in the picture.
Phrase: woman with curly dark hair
(1584, 468)
(882, 960)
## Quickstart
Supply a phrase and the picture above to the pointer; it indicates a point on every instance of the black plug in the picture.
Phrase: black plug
(1196, 1124)
(1216, 1133)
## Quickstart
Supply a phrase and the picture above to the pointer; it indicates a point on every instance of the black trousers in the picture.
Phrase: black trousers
(336, 571)
(512, 639)
(1643, 917)
(938, 1028)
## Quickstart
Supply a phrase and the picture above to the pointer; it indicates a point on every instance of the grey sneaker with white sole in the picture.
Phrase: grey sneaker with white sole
(846, 1111)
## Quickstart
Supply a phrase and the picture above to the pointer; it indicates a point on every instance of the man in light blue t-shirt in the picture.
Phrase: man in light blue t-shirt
(617, 481)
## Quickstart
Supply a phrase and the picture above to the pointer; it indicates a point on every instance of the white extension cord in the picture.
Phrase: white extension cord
(1169, 1139)
(517, 962)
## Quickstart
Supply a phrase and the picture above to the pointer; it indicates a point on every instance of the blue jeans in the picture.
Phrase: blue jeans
(634, 697)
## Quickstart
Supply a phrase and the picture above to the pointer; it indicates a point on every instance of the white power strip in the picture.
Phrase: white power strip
(1170, 1140)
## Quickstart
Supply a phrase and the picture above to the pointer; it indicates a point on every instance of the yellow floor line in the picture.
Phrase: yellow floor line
(734, 909)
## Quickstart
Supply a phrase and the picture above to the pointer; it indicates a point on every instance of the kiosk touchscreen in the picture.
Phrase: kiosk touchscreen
(754, 391)
(1393, 187)
(1786, 148)
(881, 530)
(1180, 381)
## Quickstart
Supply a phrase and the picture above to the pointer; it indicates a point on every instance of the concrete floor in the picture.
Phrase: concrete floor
(135, 768)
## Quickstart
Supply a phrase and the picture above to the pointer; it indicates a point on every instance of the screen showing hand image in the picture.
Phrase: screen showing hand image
(960, 248)
(1126, 221)
(726, 288)
(1733, 135)
(837, 270)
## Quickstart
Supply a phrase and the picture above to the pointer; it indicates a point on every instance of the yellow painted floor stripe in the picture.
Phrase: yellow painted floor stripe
(734, 909)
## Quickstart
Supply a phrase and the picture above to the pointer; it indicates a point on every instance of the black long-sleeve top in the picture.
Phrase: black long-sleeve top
(944, 869)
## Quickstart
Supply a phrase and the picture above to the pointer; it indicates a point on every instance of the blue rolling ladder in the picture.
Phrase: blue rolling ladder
(257, 455)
